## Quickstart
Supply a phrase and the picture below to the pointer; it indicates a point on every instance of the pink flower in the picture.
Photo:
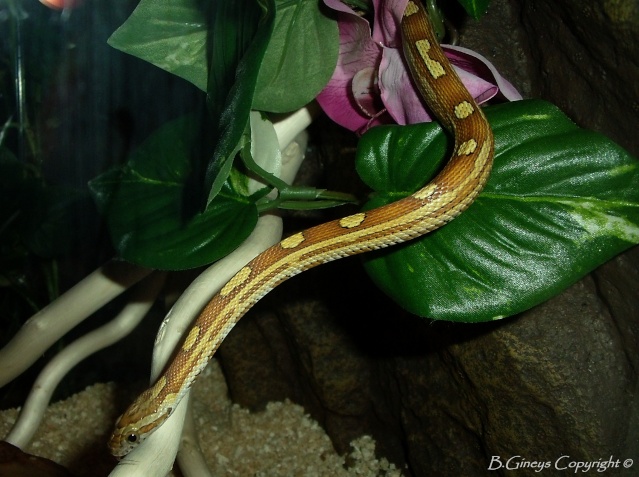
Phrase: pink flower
(371, 84)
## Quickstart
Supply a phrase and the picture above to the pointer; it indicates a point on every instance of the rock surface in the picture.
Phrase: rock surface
(585, 59)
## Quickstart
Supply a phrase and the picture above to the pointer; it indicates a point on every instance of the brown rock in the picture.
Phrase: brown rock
(15, 463)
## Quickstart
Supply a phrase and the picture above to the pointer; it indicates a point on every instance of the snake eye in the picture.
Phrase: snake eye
(132, 438)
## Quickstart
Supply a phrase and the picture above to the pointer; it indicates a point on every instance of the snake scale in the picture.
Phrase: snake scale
(441, 200)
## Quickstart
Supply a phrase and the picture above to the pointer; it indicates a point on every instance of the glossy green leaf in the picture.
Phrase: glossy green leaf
(300, 59)
(560, 201)
(151, 205)
(171, 35)
(475, 8)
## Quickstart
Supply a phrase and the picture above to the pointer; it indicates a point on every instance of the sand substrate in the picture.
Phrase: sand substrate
(280, 441)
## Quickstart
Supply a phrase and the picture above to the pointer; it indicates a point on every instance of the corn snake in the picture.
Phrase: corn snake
(441, 200)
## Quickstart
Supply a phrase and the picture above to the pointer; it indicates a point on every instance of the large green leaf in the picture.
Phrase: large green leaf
(219, 47)
(560, 201)
(191, 38)
(152, 205)
(300, 59)
(171, 35)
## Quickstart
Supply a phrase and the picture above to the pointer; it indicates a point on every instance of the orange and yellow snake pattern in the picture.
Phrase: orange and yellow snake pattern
(437, 203)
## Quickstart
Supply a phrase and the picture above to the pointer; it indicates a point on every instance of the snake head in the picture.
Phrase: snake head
(127, 434)
(124, 439)
(138, 422)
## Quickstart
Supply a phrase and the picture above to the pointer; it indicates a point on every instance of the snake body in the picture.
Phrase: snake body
(441, 200)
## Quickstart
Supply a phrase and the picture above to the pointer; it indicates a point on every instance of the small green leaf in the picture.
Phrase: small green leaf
(234, 117)
(50, 229)
(233, 26)
(152, 209)
(560, 201)
(20, 190)
(300, 58)
(35, 216)
(475, 8)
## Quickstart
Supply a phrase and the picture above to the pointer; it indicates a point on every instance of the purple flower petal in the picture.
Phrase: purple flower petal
(403, 102)
(365, 92)
(396, 88)
(387, 23)
(478, 65)
(357, 52)
(371, 84)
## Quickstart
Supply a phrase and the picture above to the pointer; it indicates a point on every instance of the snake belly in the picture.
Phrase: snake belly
(441, 200)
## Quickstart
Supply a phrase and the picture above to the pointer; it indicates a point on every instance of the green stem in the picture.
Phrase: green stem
(292, 197)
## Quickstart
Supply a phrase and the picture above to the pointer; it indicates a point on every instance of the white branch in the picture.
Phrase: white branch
(53, 321)
(190, 456)
(38, 400)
